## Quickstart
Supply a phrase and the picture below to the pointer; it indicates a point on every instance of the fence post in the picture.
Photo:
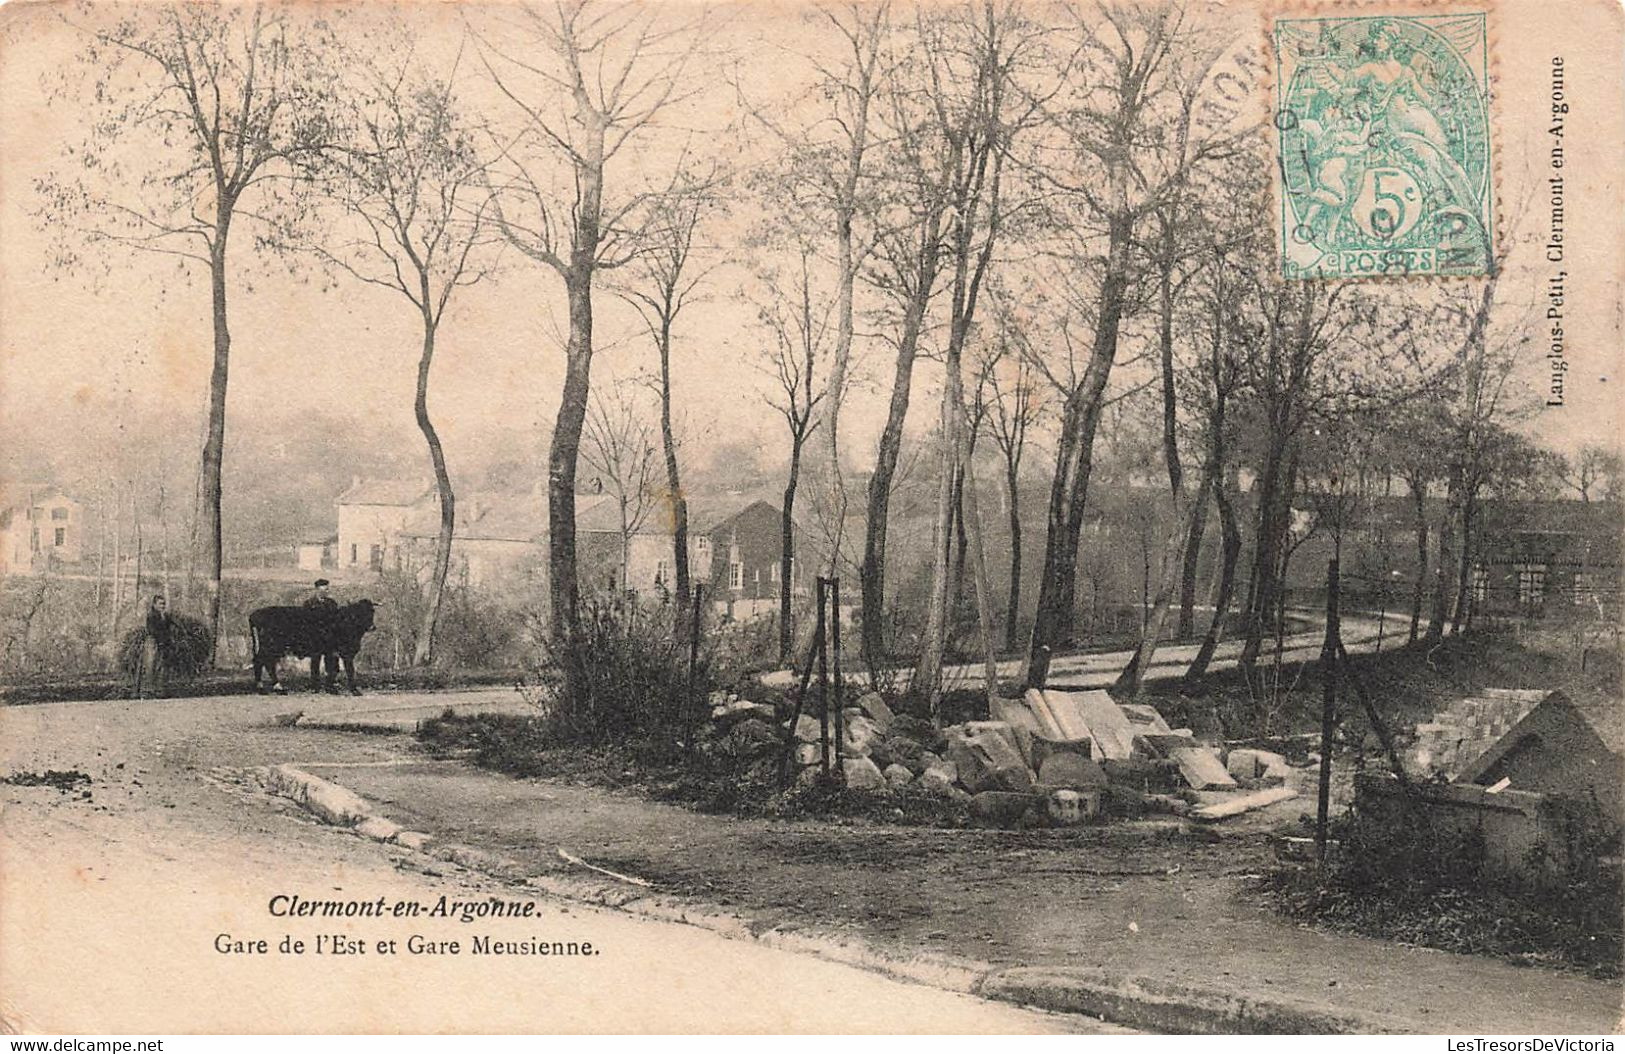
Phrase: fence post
(840, 686)
(690, 719)
(823, 678)
(1328, 711)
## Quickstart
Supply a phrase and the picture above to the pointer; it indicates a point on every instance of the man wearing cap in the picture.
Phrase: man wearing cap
(325, 608)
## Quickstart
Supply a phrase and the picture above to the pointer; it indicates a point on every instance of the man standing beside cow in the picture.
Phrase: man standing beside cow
(324, 607)
(318, 628)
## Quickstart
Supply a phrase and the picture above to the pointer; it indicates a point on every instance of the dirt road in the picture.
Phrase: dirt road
(115, 893)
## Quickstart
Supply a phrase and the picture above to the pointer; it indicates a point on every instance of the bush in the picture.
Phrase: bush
(636, 677)
(1409, 878)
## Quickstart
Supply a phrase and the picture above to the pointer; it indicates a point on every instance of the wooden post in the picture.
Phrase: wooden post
(840, 685)
(689, 720)
(1328, 710)
(801, 698)
(823, 679)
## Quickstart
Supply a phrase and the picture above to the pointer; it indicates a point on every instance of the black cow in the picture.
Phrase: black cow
(309, 634)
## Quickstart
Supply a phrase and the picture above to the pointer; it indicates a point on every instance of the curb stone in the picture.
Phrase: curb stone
(1137, 1002)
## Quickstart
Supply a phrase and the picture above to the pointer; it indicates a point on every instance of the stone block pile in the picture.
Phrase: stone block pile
(1460, 734)
(1052, 757)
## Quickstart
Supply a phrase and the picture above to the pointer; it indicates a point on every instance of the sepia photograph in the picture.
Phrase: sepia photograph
(809, 517)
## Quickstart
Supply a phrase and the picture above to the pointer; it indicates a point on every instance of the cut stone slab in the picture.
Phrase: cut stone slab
(1001, 806)
(1084, 715)
(1021, 738)
(807, 728)
(863, 774)
(1202, 769)
(1143, 715)
(1163, 744)
(875, 708)
(1063, 769)
(1017, 714)
(898, 775)
(987, 757)
(908, 752)
(862, 735)
(1238, 804)
(745, 711)
(1246, 763)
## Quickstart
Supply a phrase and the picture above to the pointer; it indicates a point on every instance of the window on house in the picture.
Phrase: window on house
(1585, 588)
(33, 539)
(375, 557)
(1531, 585)
(736, 575)
(702, 545)
(59, 514)
(1479, 586)
(353, 554)
(775, 572)
(662, 572)
(61, 537)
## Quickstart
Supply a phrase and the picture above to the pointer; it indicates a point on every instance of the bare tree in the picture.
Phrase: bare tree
(406, 187)
(1592, 472)
(202, 113)
(972, 63)
(619, 445)
(831, 172)
(590, 82)
(1126, 132)
(1016, 402)
(662, 285)
(799, 338)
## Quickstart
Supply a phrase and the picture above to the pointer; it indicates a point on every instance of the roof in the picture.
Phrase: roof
(23, 495)
(1603, 719)
(1607, 719)
(512, 517)
(726, 515)
(399, 492)
(601, 514)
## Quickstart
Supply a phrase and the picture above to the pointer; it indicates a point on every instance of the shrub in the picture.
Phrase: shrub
(636, 676)
(1407, 877)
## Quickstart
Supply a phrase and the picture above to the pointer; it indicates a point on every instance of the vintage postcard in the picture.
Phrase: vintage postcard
(956, 516)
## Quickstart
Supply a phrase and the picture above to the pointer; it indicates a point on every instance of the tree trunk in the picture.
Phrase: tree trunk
(563, 587)
(423, 650)
(1274, 518)
(214, 444)
(118, 568)
(1013, 610)
(674, 484)
(982, 582)
(960, 542)
(1446, 560)
(1053, 620)
(872, 573)
(1464, 575)
(1229, 557)
(1130, 681)
(928, 671)
(1419, 498)
(787, 548)
(1191, 566)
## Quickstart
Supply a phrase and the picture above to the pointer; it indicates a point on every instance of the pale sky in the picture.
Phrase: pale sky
(74, 349)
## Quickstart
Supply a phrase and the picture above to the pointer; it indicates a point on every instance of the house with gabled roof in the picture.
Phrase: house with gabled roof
(41, 527)
(372, 514)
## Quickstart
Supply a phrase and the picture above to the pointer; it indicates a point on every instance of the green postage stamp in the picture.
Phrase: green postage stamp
(1383, 146)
